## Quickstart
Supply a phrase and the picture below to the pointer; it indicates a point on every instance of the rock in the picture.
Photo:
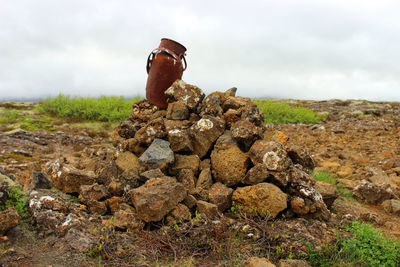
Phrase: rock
(298, 206)
(279, 179)
(41, 180)
(158, 155)
(235, 103)
(245, 133)
(180, 140)
(153, 129)
(92, 192)
(127, 161)
(302, 157)
(229, 163)
(293, 263)
(97, 207)
(187, 178)
(263, 196)
(344, 172)
(231, 116)
(230, 92)
(372, 193)
(157, 197)
(150, 174)
(114, 203)
(328, 192)
(204, 133)
(252, 114)
(270, 153)
(258, 174)
(127, 129)
(190, 201)
(392, 206)
(7, 180)
(276, 136)
(209, 209)
(9, 219)
(191, 162)
(190, 95)
(203, 184)
(258, 262)
(126, 219)
(180, 214)
(4, 193)
(69, 179)
(220, 195)
(211, 106)
(177, 111)
(349, 184)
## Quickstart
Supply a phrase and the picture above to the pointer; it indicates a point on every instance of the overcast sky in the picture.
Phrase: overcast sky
(287, 49)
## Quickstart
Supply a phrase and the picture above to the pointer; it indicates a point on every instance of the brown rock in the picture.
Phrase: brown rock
(191, 162)
(180, 214)
(298, 206)
(229, 163)
(220, 195)
(204, 133)
(97, 207)
(258, 262)
(392, 206)
(328, 192)
(245, 133)
(302, 157)
(9, 219)
(126, 219)
(264, 197)
(177, 111)
(190, 201)
(231, 117)
(279, 179)
(252, 114)
(69, 179)
(150, 174)
(234, 103)
(271, 153)
(258, 174)
(211, 106)
(349, 184)
(372, 193)
(209, 209)
(190, 95)
(127, 129)
(92, 192)
(276, 136)
(153, 129)
(344, 172)
(157, 197)
(203, 184)
(127, 160)
(114, 203)
(187, 178)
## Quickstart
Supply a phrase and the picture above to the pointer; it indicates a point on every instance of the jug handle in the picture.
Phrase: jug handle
(149, 61)
(184, 60)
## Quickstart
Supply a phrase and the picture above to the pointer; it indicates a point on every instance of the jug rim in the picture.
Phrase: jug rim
(177, 43)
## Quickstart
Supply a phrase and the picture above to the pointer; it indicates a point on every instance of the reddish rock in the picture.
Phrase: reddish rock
(298, 206)
(231, 117)
(153, 129)
(252, 114)
(302, 157)
(157, 197)
(232, 102)
(263, 196)
(114, 203)
(392, 206)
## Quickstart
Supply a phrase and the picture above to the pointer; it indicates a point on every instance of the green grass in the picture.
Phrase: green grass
(26, 121)
(326, 177)
(366, 247)
(16, 200)
(106, 109)
(280, 113)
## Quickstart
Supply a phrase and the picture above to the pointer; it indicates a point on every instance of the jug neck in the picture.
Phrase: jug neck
(173, 46)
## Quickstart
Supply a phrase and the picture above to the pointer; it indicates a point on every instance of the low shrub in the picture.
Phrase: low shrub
(280, 113)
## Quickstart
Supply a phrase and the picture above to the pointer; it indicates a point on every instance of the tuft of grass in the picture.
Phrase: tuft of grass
(16, 200)
(107, 109)
(326, 177)
(366, 247)
(9, 116)
(280, 113)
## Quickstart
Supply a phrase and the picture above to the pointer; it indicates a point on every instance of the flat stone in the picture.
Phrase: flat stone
(158, 155)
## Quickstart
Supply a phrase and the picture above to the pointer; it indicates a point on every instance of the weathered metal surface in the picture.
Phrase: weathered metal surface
(165, 65)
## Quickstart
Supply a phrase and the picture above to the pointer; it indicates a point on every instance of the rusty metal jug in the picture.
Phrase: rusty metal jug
(165, 65)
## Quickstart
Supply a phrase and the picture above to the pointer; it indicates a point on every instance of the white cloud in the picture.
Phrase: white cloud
(291, 49)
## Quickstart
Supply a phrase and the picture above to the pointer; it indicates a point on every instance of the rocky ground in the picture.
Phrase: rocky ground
(97, 195)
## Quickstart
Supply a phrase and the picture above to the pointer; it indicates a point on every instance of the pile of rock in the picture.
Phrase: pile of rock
(201, 153)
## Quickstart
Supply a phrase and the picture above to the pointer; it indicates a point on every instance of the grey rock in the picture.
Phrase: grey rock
(159, 154)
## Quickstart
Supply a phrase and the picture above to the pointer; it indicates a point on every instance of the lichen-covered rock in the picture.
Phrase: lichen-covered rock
(372, 193)
(232, 102)
(127, 129)
(264, 197)
(157, 197)
(211, 106)
(220, 195)
(245, 133)
(229, 163)
(153, 129)
(204, 133)
(180, 140)
(9, 219)
(190, 95)
(270, 153)
(302, 157)
(231, 116)
(258, 174)
(392, 206)
(158, 155)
